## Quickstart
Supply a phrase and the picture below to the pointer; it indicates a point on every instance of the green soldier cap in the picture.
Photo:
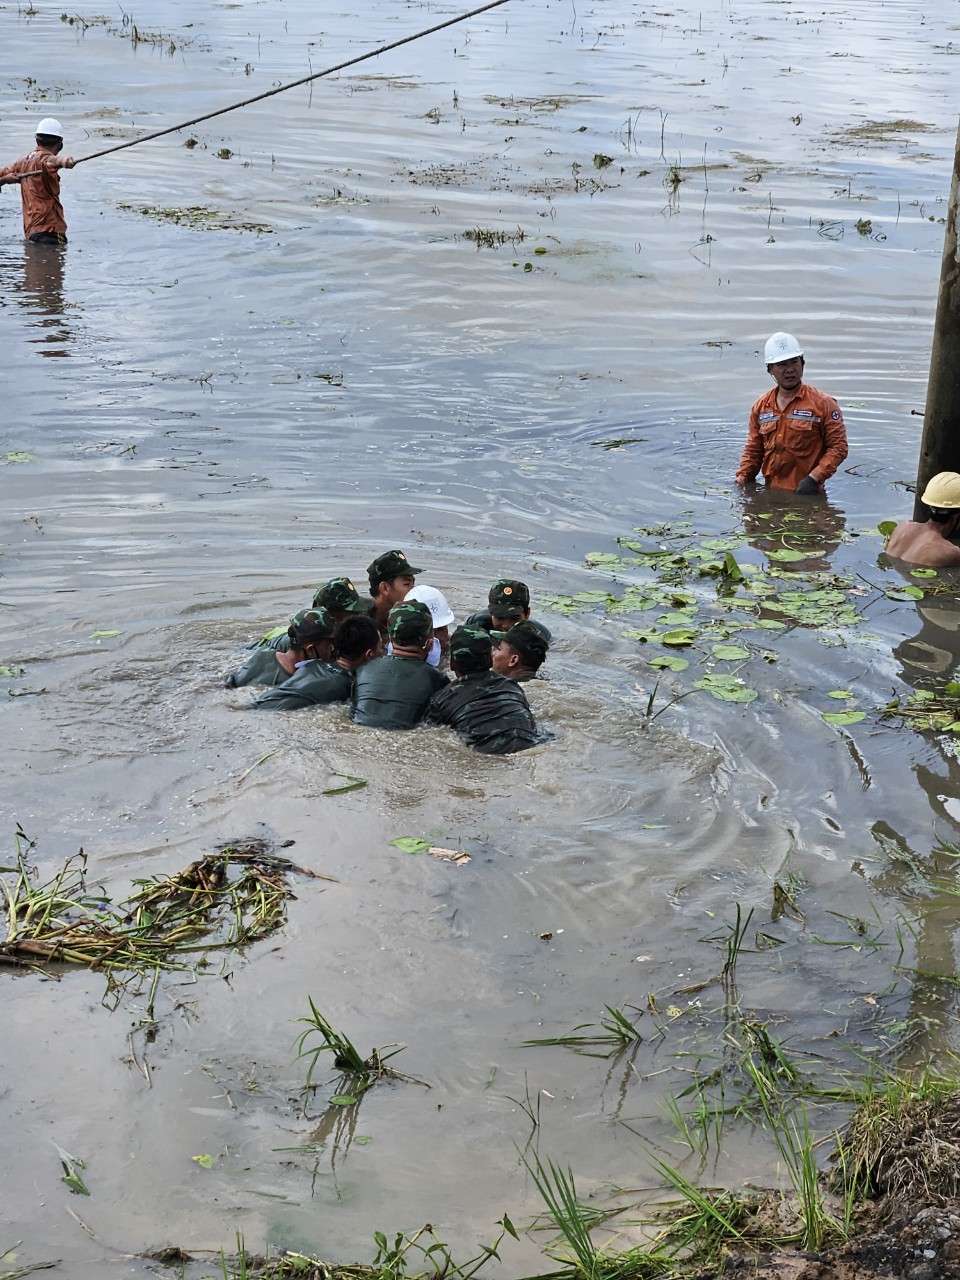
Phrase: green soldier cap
(471, 643)
(410, 623)
(310, 625)
(339, 594)
(529, 639)
(390, 565)
(509, 598)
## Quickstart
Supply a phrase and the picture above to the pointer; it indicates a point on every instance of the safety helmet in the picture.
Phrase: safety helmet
(50, 128)
(943, 491)
(781, 346)
(435, 601)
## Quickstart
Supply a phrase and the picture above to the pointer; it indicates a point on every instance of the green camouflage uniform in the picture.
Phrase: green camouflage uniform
(393, 692)
(315, 684)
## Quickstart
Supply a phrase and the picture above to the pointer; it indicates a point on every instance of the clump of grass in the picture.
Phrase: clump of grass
(583, 1258)
(903, 1139)
(362, 1073)
(615, 1032)
(421, 1255)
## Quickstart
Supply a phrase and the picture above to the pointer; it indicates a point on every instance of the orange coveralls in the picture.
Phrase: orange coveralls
(807, 438)
(42, 210)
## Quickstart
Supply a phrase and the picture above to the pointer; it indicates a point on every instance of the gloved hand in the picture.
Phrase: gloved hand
(808, 485)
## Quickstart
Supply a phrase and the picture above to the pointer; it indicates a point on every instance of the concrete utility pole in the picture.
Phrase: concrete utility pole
(940, 446)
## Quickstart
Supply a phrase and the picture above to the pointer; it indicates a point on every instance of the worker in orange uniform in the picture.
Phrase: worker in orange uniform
(43, 220)
(796, 435)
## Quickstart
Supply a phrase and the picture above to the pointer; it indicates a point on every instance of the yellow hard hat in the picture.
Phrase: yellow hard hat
(943, 491)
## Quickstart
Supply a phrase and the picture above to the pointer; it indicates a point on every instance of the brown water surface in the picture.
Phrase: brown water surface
(412, 305)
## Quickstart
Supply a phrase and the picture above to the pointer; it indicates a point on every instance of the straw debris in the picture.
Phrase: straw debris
(226, 900)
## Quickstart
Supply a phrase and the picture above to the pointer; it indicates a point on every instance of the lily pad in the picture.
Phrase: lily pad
(788, 555)
(103, 635)
(669, 662)
(17, 456)
(844, 717)
(599, 558)
(923, 573)
(343, 1100)
(839, 694)
(904, 593)
(726, 688)
(411, 844)
(205, 1161)
(730, 652)
(679, 637)
(886, 527)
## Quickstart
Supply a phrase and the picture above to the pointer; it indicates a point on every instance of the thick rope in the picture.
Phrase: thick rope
(294, 84)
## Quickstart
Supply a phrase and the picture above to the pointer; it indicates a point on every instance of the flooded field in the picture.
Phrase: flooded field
(498, 298)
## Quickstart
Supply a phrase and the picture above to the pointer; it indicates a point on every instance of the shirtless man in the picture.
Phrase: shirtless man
(927, 542)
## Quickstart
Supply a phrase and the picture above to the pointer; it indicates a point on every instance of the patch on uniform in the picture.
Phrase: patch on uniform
(767, 417)
(803, 413)
(835, 415)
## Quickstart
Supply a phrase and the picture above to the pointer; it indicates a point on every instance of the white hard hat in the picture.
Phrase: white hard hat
(50, 128)
(436, 602)
(943, 491)
(781, 346)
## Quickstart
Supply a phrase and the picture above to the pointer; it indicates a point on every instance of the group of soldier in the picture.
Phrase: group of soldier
(386, 655)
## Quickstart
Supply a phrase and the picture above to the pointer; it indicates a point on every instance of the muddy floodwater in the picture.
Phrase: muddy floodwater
(497, 298)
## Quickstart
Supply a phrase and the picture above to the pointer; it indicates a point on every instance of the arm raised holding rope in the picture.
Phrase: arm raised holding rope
(38, 176)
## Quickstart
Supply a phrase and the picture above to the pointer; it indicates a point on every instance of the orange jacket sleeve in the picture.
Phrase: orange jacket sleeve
(834, 440)
(752, 454)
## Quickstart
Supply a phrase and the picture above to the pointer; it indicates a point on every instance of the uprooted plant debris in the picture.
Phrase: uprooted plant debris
(224, 901)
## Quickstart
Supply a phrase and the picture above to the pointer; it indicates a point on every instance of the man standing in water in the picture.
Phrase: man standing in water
(43, 220)
(927, 542)
(796, 435)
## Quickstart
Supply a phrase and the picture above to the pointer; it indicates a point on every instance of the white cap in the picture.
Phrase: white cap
(50, 128)
(436, 602)
(781, 346)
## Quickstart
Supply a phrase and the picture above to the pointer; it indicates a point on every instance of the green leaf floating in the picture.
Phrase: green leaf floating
(205, 1161)
(679, 637)
(787, 554)
(669, 662)
(844, 717)
(886, 527)
(343, 1100)
(410, 844)
(904, 593)
(923, 573)
(840, 694)
(726, 688)
(729, 652)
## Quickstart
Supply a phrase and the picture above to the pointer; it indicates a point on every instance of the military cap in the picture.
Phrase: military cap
(410, 623)
(339, 594)
(472, 645)
(509, 598)
(310, 625)
(390, 565)
(529, 639)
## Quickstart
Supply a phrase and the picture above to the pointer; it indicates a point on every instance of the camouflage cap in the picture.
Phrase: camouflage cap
(390, 565)
(529, 639)
(509, 598)
(410, 623)
(310, 625)
(472, 644)
(340, 595)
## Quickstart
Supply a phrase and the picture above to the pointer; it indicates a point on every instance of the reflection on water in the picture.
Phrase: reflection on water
(776, 521)
(37, 285)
